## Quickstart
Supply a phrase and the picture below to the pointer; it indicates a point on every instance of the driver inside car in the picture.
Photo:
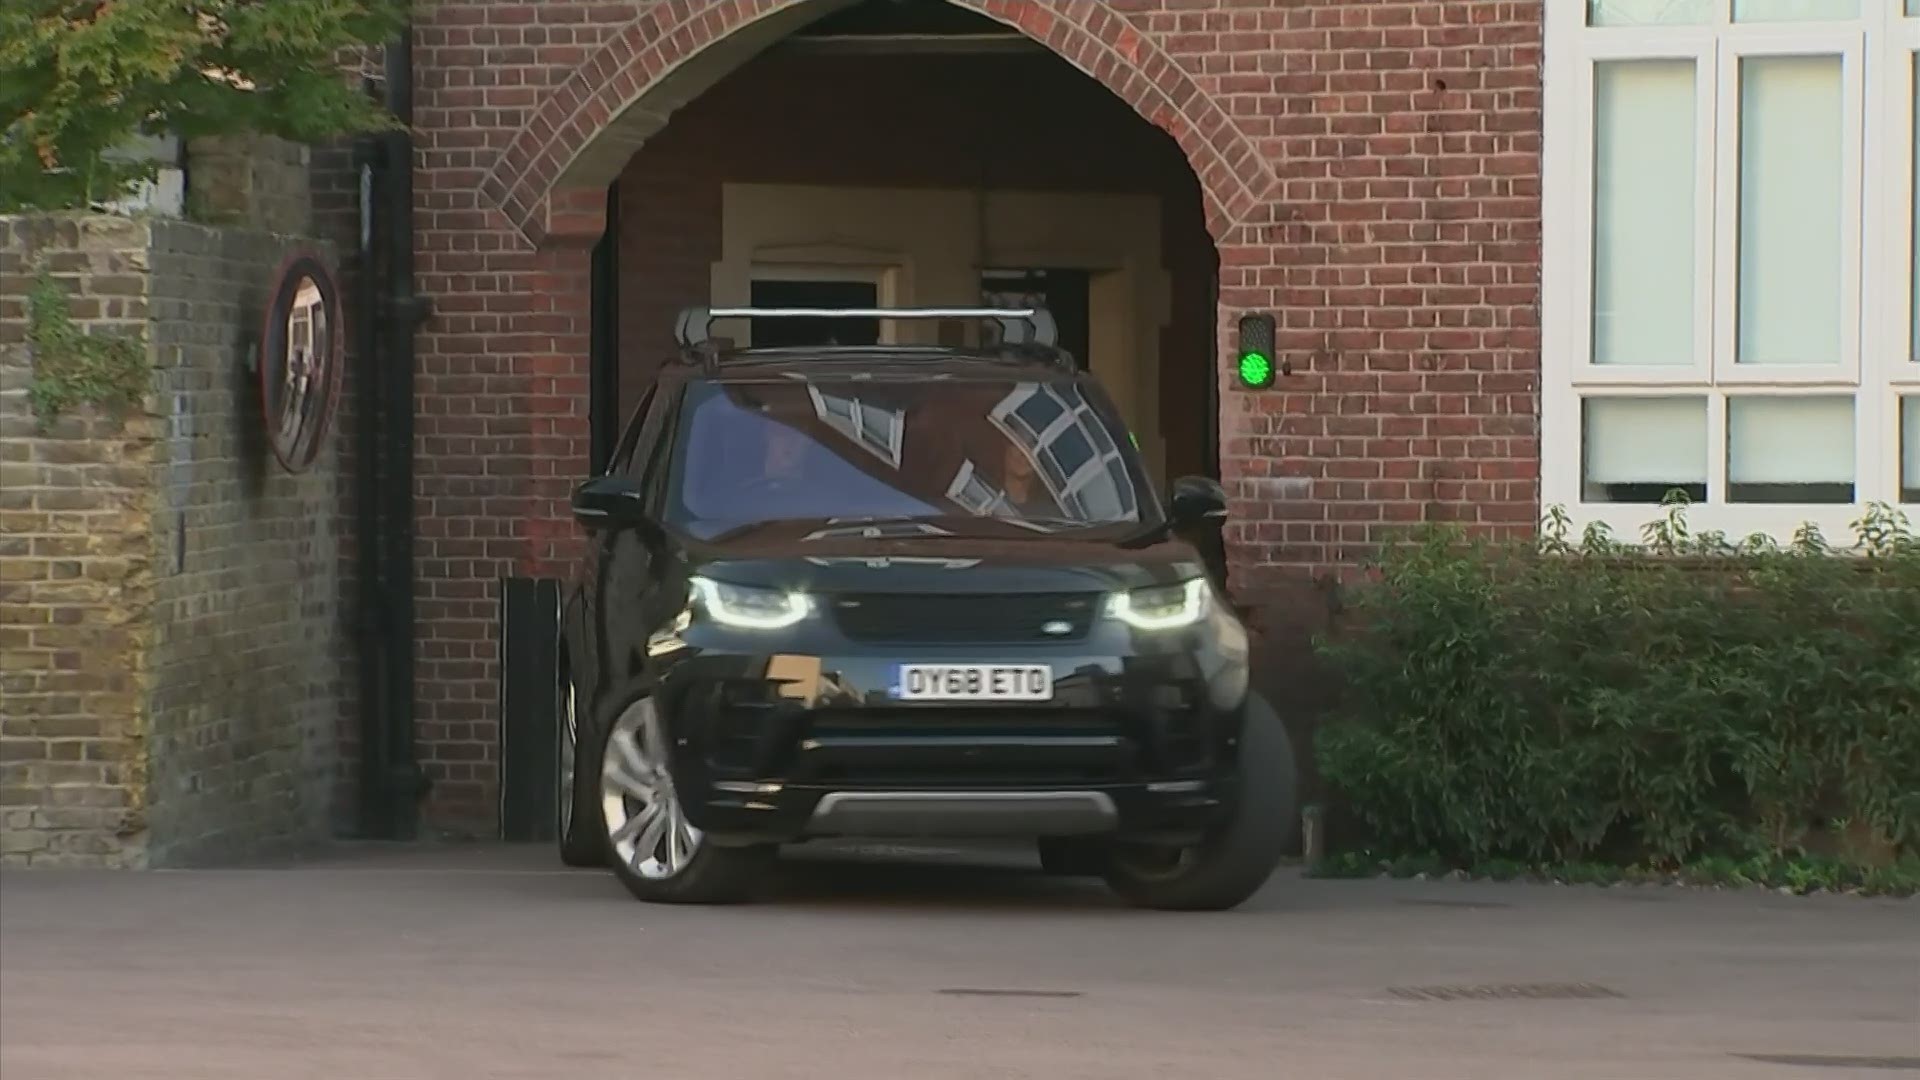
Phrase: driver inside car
(786, 453)
(1023, 495)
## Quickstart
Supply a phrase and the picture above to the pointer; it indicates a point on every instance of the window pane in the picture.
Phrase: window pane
(1636, 450)
(1072, 450)
(1913, 7)
(1643, 212)
(1102, 442)
(1791, 177)
(1910, 447)
(1101, 501)
(1794, 10)
(1050, 467)
(878, 423)
(1040, 410)
(1790, 450)
(1913, 252)
(1649, 12)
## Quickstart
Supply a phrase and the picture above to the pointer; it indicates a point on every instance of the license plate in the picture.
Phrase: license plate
(975, 682)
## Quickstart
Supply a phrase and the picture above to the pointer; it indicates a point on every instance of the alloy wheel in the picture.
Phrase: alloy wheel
(646, 825)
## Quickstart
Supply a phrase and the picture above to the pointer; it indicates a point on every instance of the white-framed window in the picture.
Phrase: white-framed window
(1729, 299)
(878, 431)
(971, 490)
(1079, 463)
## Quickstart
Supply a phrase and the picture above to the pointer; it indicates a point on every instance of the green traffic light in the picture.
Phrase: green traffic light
(1255, 370)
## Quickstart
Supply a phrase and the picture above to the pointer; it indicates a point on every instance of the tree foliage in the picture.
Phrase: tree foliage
(80, 78)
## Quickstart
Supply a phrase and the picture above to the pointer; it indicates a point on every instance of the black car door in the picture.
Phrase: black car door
(584, 620)
(631, 580)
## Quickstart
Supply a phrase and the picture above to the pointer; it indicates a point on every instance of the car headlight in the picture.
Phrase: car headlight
(749, 607)
(1163, 607)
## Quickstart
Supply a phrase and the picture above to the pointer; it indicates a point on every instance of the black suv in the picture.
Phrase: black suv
(905, 592)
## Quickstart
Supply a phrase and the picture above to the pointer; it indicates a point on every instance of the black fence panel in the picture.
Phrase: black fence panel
(529, 713)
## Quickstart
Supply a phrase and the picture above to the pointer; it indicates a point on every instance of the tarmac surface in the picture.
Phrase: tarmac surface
(925, 964)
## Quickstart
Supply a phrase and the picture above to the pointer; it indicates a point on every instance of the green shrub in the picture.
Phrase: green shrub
(1579, 701)
(1800, 874)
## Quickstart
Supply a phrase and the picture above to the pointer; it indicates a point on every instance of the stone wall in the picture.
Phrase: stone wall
(76, 567)
(246, 626)
(169, 627)
(250, 181)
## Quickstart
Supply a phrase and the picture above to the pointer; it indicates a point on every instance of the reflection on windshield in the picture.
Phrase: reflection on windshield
(897, 459)
(869, 529)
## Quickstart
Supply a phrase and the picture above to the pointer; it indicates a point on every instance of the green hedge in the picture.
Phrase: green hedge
(1654, 704)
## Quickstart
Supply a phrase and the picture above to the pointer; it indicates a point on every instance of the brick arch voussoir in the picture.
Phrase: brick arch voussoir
(587, 113)
(1103, 45)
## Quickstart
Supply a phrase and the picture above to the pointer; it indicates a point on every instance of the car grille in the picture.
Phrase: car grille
(948, 619)
(967, 745)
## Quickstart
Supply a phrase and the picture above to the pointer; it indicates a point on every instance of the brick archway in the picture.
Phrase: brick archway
(1376, 187)
(549, 179)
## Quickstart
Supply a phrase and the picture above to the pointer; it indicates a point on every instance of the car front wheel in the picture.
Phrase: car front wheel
(657, 853)
(581, 842)
(1237, 858)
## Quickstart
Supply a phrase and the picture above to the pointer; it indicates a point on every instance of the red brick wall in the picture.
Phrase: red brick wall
(1370, 173)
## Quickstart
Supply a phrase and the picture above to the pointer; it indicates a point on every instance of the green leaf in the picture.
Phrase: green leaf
(83, 78)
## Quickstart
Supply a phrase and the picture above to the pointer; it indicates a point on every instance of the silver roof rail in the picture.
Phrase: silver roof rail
(1018, 326)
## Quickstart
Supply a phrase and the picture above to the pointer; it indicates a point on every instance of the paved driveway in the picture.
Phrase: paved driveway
(487, 962)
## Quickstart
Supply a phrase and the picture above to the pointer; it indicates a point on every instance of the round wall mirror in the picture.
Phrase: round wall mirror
(302, 351)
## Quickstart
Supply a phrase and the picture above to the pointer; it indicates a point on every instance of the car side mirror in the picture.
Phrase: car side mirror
(609, 502)
(1197, 500)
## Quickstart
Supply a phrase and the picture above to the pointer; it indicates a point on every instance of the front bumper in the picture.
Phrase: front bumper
(778, 746)
(1172, 811)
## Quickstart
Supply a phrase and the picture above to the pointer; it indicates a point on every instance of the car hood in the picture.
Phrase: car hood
(956, 565)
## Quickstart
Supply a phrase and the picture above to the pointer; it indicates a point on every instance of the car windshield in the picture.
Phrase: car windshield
(874, 457)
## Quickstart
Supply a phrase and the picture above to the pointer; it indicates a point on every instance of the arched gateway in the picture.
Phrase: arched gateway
(577, 141)
(1368, 173)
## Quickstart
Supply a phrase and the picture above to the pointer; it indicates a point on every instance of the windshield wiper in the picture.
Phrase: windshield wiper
(872, 519)
(842, 527)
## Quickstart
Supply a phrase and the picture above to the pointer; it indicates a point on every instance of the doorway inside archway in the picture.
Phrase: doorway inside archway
(890, 153)
(912, 154)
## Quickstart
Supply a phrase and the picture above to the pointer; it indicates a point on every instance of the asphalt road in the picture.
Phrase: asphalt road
(489, 962)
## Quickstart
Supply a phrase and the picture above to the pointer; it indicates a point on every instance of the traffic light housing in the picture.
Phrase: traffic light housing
(1255, 366)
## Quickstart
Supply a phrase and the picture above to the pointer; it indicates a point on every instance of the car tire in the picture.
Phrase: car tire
(1073, 856)
(678, 865)
(718, 875)
(577, 831)
(1232, 863)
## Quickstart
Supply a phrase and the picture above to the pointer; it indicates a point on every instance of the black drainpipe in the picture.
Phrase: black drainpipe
(404, 784)
(603, 395)
(371, 623)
